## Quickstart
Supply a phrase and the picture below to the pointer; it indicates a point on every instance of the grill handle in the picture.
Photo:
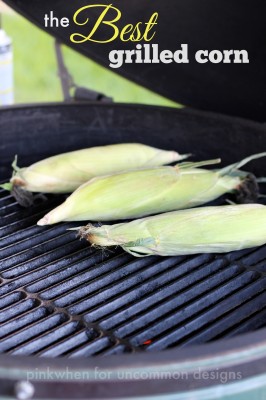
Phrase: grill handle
(67, 83)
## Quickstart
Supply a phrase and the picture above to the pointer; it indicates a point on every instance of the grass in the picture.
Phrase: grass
(35, 69)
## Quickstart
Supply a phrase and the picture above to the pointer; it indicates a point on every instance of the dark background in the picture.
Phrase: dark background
(235, 89)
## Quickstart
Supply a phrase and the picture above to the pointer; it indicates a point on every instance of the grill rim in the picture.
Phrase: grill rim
(183, 112)
(223, 354)
(181, 109)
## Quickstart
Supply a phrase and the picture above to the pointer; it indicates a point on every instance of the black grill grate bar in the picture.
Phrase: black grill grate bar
(60, 349)
(36, 238)
(219, 328)
(5, 194)
(91, 337)
(123, 298)
(135, 302)
(23, 321)
(203, 318)
(25, 338)
(110, 284)
(71, 278)
(28, 256)
(8, 209)
(54, 272)
(132, 276)
(35, 278)
(254, 257)
(29, 232)
(8, 203)
(132, 312)
(240, 254)
(32, 277)
(19, 225)
(105, 308)
(93, 348)
(19, 236)
(250, 324)
(28, 213)
(16, 309)
(51, 337)
(176, 316)
(115, 350)
(18, 222)
(122, 269)
(7, 199)
(65, 247)
(11, 298)
(261, 267)
(172, 295)
(156, 303)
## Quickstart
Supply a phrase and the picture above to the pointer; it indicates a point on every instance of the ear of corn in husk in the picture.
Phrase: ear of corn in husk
(199, 230)
(149, 191)
(66, 172)
(133, 194)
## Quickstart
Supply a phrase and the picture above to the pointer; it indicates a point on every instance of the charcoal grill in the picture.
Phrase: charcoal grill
(63, 302)
(77, 322)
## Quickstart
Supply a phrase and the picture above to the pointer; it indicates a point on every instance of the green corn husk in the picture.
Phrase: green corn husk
(145, 192)
(200, 230)
(66, 172)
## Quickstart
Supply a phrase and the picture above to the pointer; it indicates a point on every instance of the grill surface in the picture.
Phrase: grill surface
(61, 298)
(58, 297)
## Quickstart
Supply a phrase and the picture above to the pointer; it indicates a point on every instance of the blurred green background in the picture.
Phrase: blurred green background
(35, 69)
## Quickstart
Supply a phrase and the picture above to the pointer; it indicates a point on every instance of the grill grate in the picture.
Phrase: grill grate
(58, 297)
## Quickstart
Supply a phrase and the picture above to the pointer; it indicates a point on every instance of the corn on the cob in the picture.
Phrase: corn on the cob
(144, 192)
(66, 172)
(199, 230)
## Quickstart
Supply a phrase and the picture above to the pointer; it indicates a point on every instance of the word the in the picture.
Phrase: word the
(51, 21)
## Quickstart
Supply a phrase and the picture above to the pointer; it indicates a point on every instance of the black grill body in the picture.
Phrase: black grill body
(59, 298)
